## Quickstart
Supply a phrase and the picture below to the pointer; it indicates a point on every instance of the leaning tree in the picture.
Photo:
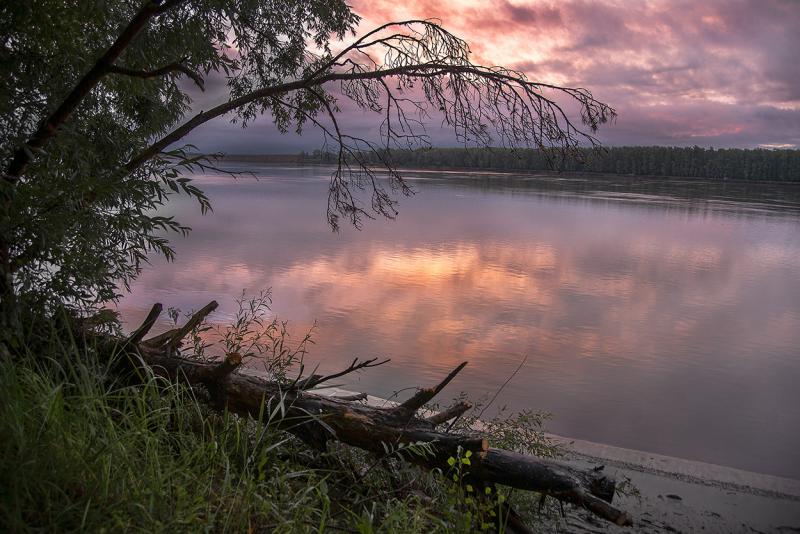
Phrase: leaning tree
(95, 103)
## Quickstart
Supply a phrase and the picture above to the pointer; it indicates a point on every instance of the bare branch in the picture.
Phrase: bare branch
(172, 338)
(148, 323)
(456, 410)
(423, 396)
(193, 322)
(316, 380)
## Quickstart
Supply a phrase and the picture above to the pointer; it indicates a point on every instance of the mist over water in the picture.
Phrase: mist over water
(662, 316)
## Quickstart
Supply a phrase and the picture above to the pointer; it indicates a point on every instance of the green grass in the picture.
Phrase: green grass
(78, 455)
(81, 450)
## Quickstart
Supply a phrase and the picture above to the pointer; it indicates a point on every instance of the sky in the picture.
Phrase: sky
(721, 73)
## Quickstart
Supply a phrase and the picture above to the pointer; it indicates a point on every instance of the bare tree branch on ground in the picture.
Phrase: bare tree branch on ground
(317, 419)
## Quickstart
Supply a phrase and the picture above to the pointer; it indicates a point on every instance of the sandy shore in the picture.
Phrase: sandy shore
(677, 495)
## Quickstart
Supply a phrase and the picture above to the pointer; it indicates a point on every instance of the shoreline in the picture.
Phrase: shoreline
(690, 471)
(673, 494)
(294, 160)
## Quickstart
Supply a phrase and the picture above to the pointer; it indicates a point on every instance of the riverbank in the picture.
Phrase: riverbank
(687, 496)
(673, 494)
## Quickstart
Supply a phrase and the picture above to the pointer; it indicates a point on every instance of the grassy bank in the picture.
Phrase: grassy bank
(82, 451)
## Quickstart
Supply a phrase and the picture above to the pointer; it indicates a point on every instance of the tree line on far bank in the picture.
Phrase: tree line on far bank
(694, 162)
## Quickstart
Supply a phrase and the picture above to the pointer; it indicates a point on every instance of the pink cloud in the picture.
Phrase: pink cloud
(679, 72)
(738, 54)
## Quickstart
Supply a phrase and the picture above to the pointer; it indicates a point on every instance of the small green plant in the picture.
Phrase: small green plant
(258, 336)
(521, 431)
(477, 508)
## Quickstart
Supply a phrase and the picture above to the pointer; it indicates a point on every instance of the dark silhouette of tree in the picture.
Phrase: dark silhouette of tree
(92, 111)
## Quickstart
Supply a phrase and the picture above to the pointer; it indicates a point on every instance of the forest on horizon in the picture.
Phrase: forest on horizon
(693, 162)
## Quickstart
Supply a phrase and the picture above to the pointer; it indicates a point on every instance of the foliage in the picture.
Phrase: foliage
(81, 455)
(93, 102)
(76, 221)
(517, 431)
(97, 97)
(260, 338)
(478, 509)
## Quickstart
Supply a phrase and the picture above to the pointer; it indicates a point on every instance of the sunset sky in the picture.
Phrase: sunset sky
(713, 73)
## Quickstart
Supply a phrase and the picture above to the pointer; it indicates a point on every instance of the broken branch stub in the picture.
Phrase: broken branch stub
(425, 395)
(148, 323)
(456, 410)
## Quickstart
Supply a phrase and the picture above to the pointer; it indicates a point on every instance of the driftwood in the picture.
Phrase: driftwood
(367, 427)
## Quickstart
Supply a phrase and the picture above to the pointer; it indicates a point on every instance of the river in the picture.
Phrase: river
(655, 315)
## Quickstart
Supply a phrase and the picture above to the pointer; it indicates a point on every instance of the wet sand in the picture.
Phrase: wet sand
(677, 495)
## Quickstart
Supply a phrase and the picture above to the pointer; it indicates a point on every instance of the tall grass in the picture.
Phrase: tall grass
(81, 450)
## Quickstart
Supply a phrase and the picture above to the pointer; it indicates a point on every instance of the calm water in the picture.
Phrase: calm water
(662, 316)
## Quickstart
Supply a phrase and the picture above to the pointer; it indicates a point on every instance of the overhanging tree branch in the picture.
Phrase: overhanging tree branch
(410, 73)
(500, 78)
(178, 66)
(49, 126)
(423, 70)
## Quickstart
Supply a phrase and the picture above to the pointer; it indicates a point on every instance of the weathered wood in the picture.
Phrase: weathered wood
(316, 418)
(363, 426)
(138, 335)
(172, 338)
(193, 322)
(351, 398)
(425, 395)
(228, 365)
(590, 489)
(452, 412)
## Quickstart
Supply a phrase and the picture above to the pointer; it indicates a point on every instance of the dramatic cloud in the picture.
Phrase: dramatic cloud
(713, 73)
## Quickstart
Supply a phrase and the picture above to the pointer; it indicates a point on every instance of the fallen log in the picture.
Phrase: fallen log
(317, 418)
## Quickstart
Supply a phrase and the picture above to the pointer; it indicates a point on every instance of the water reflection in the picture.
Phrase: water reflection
(663, 320)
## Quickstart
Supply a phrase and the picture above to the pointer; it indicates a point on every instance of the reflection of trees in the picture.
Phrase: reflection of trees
(742, 198)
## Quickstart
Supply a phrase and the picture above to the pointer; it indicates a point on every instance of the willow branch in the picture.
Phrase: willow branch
(167, 69)
(49, 126)
(413, 71)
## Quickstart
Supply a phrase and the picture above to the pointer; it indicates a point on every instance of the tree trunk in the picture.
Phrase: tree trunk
(316, 419)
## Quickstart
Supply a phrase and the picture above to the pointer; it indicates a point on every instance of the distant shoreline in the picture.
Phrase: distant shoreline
(301, 160)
